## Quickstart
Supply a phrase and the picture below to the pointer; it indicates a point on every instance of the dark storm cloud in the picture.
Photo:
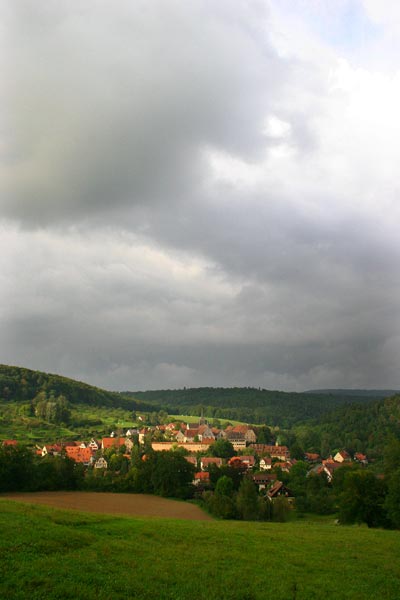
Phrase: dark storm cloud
(110, 107)
(185, 203)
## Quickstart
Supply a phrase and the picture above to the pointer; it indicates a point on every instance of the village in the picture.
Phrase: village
(206, 448)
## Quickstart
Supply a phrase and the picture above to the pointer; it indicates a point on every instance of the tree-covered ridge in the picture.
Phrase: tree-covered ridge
(251, 405)
(17, 383)
(360, 427)
(355, 392)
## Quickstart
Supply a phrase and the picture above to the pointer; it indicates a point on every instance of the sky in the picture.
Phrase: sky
(201, 193)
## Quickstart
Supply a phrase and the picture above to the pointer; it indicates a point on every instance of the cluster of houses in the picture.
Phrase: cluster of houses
(264, 459)
(331, 464)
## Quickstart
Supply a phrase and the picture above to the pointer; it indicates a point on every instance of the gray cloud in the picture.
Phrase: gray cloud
(110, 107)
(185, 203)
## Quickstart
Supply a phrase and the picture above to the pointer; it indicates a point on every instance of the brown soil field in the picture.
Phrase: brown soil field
(134, 505)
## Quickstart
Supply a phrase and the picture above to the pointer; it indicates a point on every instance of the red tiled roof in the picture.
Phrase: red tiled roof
(344, 454)
(202, 476)
(360, 456)
(208, 460)
(311, 456)
(111, 442)
(249, 459)
(79, 455)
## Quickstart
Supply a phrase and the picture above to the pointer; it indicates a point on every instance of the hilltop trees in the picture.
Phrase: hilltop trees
(52, 409)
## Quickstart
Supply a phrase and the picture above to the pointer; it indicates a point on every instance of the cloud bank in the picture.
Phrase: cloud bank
(200, 194)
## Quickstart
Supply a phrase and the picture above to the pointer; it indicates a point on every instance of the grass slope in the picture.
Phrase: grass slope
(87, 421)
(46, 553)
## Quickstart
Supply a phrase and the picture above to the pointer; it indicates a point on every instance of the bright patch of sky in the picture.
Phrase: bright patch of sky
(343, 24)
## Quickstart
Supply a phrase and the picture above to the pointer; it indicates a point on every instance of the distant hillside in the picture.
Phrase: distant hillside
(361, 427)
(378, 394)
(19, 384)
(251, 405)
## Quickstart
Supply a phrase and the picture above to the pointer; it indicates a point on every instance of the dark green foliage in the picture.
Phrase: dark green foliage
(221, 503)
(58, 473)
(224, 486)
(361, 427)
(280, 509)
(17, 471)
(250, 405)
(17, 383)
(225, 470)
(51, 409)
(222, 448)
(21, 471)
(319, 495)
(171, 474)
(392, 500)
(166, 474)
(247, 500)
(296, 451)
(362, 499)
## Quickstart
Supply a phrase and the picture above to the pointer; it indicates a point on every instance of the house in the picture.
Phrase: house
(142, 433)
(192, 460)
(249, 434)
(112, 442)
(236, 463)
(342, 456)
(266, 463)
(280, 452)
(311, 457)
(263, 480)
(206, 461)
(180, 437)
(9, 443)
(191, 435)
(79, 455)
(101, 463)
(205, 432)
(284, 466)
(93, 444)
(129, 443)
(361, 458)
(330, 467)
(190, 447)
(131, 432)
(248, 460)
(218, 433)
(236, 438)
(201, 478)
(279, 489)
(52, 449)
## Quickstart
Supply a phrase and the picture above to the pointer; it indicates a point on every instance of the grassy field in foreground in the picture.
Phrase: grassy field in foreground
(48, 553)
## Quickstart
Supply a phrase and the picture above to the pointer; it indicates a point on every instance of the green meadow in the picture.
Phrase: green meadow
(49, 553)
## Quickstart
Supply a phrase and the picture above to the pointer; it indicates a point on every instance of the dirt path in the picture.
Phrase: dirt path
(135, 505)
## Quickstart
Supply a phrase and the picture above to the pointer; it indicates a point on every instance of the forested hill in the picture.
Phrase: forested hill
(18, 383)
(356, 392)
(251, 405)
(360, 427)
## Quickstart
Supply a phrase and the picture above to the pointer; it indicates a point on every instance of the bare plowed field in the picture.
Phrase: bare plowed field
(134, 505)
